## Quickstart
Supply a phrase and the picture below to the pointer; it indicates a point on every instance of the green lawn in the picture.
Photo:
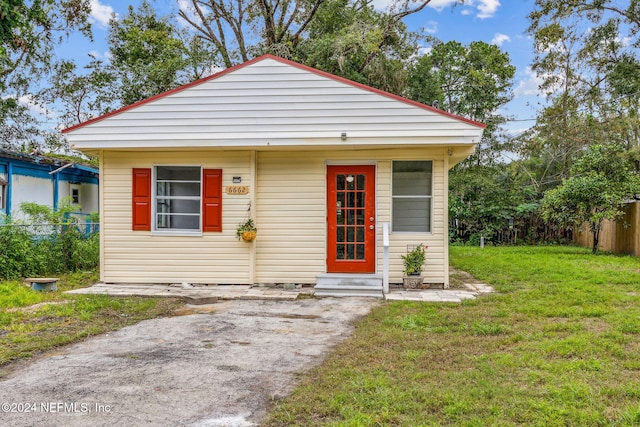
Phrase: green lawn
(32, 322)
(558, 345)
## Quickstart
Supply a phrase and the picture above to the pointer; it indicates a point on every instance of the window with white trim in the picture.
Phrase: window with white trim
(74, 190)
(177, 198)
(412, 191)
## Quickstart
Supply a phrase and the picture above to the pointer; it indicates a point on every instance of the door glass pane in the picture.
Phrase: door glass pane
(340, 234)
(350, 182)
(340, 181)
(359, 251)
(350, 251)
(360, 216)
(360, 234)
(351, 200)
(350, 234)
(350, 217)
(360, 182)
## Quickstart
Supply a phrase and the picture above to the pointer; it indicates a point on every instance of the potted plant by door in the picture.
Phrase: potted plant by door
(246, 231)
(413, 264)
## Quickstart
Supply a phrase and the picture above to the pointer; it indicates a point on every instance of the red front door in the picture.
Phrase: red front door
(351, 222)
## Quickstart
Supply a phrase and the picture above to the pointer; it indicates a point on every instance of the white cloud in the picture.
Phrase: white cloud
(424, 51)
(487, 8)
(484, 8)
(441, 4)
(500, 39)
(30, 102)
(100, 13)
(529, 85)
(431, 27)
(106, 55)
(187, 7)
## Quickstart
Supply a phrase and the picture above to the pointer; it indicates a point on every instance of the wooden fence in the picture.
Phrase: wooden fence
(621, 237)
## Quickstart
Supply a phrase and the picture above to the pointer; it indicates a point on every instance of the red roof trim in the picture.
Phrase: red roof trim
(284, 61)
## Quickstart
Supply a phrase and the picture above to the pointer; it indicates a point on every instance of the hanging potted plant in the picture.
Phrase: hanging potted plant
(413, 264)
(246, 231)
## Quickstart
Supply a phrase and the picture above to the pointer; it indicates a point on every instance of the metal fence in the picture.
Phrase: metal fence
(86, 229)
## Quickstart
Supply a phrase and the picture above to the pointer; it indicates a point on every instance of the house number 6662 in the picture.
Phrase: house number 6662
(237, 189)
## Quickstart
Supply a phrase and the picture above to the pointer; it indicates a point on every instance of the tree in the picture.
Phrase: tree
(29, 32)
(147, 54)
(334, 32)
(472, 81)
(80, 96)
(485, 200)
(601, 181)
(587, 55)
(354, 41)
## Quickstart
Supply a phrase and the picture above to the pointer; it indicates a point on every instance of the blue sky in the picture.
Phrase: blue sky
(503, 22)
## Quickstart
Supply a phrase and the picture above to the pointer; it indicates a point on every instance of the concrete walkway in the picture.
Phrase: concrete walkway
(201, 294)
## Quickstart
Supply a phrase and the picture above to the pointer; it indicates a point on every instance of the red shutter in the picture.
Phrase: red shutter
(141, 197)
(212, 200)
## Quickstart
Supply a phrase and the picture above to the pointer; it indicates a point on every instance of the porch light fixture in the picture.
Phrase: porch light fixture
(343, 136)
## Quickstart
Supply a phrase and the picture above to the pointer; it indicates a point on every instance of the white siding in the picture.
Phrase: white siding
(291, 213)
(89, 198)
(140, 257)
(30, 189)
(272, 103)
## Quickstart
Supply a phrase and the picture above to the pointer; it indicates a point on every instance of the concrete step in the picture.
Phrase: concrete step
(346, 285)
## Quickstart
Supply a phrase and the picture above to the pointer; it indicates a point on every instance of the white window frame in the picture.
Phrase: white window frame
(428, 197)
(75, 187)
(154, 204)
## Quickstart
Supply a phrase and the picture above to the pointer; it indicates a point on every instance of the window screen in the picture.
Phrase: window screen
(177, 198)
(412, 193)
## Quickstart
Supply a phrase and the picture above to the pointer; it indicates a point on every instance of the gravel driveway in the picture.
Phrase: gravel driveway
(219, 367)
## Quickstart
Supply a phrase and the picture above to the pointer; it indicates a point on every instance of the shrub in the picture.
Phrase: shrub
(47, 242)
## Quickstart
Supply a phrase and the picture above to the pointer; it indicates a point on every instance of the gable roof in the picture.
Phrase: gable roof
(284, 61)
(268, 100)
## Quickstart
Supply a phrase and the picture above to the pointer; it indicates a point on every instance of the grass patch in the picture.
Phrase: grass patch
(32, 322)
(557, 345)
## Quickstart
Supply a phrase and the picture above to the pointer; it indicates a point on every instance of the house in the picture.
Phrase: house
(320, 163)
(46, 181)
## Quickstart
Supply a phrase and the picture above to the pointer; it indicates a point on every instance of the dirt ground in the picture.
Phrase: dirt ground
(215, 365)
